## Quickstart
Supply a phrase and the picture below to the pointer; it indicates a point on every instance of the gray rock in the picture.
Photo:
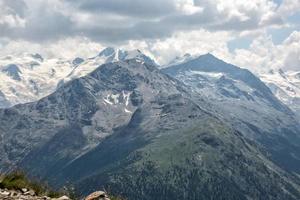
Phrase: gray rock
(98, 195)
(63, 198)
(30, 192)
(24, 190)
(5, 193)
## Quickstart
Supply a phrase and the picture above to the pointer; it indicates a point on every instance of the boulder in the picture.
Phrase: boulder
(14, 193)
(46, 198)
(98, 195)
(5, 193)
(30, 193)
(63, 198)
(24, 190)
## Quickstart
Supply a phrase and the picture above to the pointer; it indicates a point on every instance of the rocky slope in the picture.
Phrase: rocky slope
(247, 103)
(142, 134)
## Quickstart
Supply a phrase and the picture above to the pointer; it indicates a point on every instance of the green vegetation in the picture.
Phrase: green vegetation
(116, 198)
(205, 161)
(17, 180)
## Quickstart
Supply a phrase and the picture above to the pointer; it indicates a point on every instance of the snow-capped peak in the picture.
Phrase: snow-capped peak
(107, 55)
(285, 85)
(111, 54)
(29, 77)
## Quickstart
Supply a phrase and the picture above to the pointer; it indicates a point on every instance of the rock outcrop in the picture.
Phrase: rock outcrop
(98, 195)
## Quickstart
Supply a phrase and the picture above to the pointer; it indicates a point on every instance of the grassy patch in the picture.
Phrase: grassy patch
(17, 180)
(116, 198)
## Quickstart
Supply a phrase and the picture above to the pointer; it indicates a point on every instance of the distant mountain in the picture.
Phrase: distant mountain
(144, 135)
(30, 77)
(243, 100)
(285, 86)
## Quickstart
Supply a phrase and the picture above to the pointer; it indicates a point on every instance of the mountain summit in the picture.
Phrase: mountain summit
(114, 55)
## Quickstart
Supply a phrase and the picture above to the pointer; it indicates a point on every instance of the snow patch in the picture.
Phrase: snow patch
(127, 111)
(208, 74)
(107, 101)
(126, 97)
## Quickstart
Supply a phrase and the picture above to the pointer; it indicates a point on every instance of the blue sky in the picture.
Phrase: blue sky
(256, 34)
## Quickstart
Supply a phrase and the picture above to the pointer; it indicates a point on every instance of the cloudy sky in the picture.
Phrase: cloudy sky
(256, 34)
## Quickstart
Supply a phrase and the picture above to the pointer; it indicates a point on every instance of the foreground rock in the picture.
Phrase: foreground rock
(98, 195)
(25, 194)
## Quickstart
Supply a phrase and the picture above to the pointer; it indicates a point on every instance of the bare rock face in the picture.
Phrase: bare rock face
(98, 195)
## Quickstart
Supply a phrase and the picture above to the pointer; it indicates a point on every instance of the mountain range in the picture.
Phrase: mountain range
(199, 128)
(30, 77)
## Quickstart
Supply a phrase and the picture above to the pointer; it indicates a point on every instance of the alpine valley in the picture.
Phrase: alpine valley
(198, 128)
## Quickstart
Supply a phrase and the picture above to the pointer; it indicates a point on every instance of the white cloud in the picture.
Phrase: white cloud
(289, 7)
(12, 21)
(291, 48)
(69, 28)
(264, 55)
(193, 42)
(124, 20)
(254, 14)
(68, 48)
(188, 7)
(11, 14)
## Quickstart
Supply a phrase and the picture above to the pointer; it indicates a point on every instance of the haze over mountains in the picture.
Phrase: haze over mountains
(199, 128)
